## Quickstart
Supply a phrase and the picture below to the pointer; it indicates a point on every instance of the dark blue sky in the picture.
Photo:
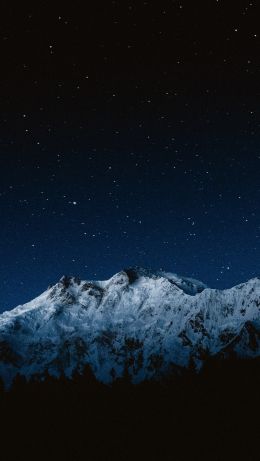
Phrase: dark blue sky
(129, 136)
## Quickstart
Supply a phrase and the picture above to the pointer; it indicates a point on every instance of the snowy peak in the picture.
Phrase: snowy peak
(189, 285)
(131, 275)
(148, 322)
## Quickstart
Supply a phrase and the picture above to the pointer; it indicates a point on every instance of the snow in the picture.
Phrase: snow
(151, 320)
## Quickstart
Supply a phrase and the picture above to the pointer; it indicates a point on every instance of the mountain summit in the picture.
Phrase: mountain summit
(147, 323)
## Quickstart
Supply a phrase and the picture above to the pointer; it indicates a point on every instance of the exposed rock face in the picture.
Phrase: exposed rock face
(147, 323)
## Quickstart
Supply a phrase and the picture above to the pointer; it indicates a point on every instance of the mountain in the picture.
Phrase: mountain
(141, 323)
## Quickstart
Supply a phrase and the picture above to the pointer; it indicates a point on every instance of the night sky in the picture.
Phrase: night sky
(129, 135)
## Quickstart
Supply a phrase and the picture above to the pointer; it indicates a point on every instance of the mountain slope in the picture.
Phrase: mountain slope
(145, 323)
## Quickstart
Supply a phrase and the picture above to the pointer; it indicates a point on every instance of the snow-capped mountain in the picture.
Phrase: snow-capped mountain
(147, 323)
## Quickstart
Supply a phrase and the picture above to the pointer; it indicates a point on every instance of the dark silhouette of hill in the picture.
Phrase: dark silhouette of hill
(212, 415)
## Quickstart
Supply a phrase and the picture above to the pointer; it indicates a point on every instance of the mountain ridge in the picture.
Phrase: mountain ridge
(148, 323)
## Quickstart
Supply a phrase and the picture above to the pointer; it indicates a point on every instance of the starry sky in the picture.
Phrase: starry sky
(129, 135)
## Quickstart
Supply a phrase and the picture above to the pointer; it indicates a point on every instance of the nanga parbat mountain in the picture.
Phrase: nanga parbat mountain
(146, 323)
